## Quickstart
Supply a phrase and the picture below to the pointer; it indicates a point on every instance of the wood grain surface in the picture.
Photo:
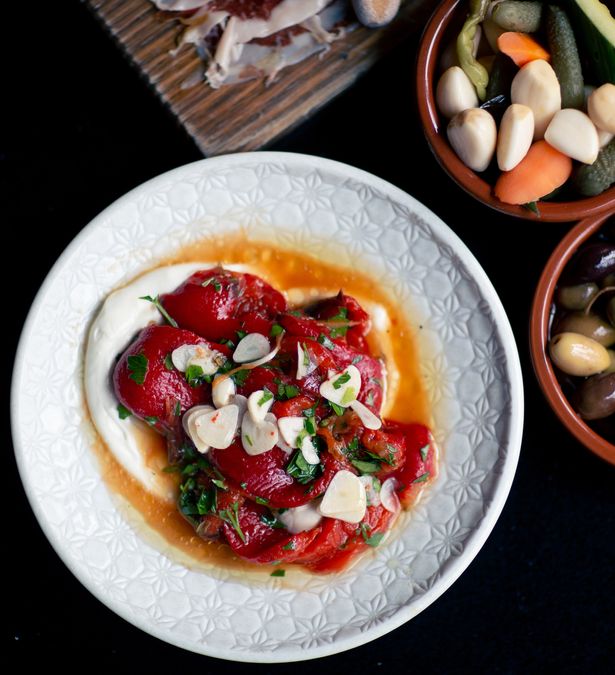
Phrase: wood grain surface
(249, 115)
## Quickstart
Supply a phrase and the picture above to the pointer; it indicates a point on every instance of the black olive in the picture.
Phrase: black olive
(595, 398)
(591, 263)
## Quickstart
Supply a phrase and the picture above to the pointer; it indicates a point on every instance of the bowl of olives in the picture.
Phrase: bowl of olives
(572, 333)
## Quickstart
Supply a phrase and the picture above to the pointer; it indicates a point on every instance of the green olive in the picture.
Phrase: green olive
(576, 297)
(576, 354)
(596, 397)
(591, 325)
(610, 310)
(609, 280)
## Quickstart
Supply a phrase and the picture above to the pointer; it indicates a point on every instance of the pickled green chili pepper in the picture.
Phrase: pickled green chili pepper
(465, 48)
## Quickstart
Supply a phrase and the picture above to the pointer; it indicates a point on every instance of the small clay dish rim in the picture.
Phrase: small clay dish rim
(539, 337)
(427, 71)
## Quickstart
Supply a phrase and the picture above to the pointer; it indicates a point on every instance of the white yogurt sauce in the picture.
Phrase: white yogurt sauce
(122, 316)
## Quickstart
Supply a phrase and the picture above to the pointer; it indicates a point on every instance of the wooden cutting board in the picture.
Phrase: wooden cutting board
(249, 115)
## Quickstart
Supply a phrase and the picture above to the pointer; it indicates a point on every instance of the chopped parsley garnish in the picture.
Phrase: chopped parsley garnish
(207, 502)
(151, 420)
(422, 478)
(267, 396)
(241, 334)
(376, 381)
(243, 486)
(261, 500)
(286, 391)
(172, 468)
(216, 284)
(194, 375)
(356, 360)
(365, 467)
(168, 362)
(219, 483)
(353, 445)
(270, 520)
(278, 573)
(370, 540)
(190, 469)
(309, 425)
(424, 452)
(248, 440)
(123, 411)
(240, 377)
(338, 331)
(276, 330)
(137, 365)
(289, 547)
(300, 470)
(325, 342)
(177, 410)
(337, 409)
(295, 312)
(311, 411)
(341, 380)
(156, 302)
(229, 343)
(231, 517)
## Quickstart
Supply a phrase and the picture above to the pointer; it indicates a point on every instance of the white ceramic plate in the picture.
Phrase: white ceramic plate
(471, 370)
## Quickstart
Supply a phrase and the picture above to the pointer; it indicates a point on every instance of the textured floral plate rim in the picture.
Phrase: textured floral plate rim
(473, 375)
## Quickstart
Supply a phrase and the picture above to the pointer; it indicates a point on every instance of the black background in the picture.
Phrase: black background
(83, 129)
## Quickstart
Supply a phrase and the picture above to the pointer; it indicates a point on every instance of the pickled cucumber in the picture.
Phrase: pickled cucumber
(565, 58)
(595, 178)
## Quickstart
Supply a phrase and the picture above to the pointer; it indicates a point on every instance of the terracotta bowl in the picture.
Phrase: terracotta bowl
(539, 337)
(439, 31)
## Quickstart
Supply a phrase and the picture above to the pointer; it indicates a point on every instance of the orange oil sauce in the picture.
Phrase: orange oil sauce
(284, 269)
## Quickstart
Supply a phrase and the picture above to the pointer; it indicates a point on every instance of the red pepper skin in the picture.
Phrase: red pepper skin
(216, 303)
(162, 388)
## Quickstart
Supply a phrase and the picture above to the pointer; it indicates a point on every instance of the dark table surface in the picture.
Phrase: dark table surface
(84, 129)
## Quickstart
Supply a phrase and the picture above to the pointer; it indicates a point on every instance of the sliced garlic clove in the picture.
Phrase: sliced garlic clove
(290, 429)
(345, 498)
(252, 347)
(241, 402)
(515, 136)
(189, 426)
(367, 417)
(473, 135)
(257, 438)
(342, 388)
(308, 450)
(455, 93)
(573, 134)
(300, 518)
(536, 86)
(305, 366)
(283, 445)
(388, 495)
(222, 390)
(601, 107)
(371, 492)
(197, 355)
(259, 404)
(217, 428)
